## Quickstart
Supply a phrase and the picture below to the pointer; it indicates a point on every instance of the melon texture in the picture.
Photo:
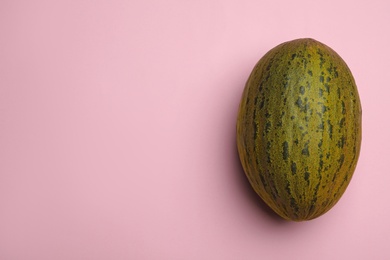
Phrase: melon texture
(299, 128)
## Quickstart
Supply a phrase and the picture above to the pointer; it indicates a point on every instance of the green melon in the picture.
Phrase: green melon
(299, 128)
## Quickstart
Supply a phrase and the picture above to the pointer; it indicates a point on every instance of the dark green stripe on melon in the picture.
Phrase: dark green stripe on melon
(299, 128)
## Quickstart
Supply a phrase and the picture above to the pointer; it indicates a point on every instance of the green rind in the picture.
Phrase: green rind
(299, 128)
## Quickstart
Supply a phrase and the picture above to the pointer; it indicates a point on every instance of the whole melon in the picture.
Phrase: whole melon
(299, 128)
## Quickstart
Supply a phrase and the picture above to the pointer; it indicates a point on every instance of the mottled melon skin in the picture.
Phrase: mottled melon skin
(299, 128)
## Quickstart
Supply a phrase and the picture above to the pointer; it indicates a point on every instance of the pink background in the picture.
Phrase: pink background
(117, 130)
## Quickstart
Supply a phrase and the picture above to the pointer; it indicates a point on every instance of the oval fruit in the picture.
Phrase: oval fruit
(299, 128)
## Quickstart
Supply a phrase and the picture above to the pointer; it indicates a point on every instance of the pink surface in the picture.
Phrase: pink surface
(117, 130)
